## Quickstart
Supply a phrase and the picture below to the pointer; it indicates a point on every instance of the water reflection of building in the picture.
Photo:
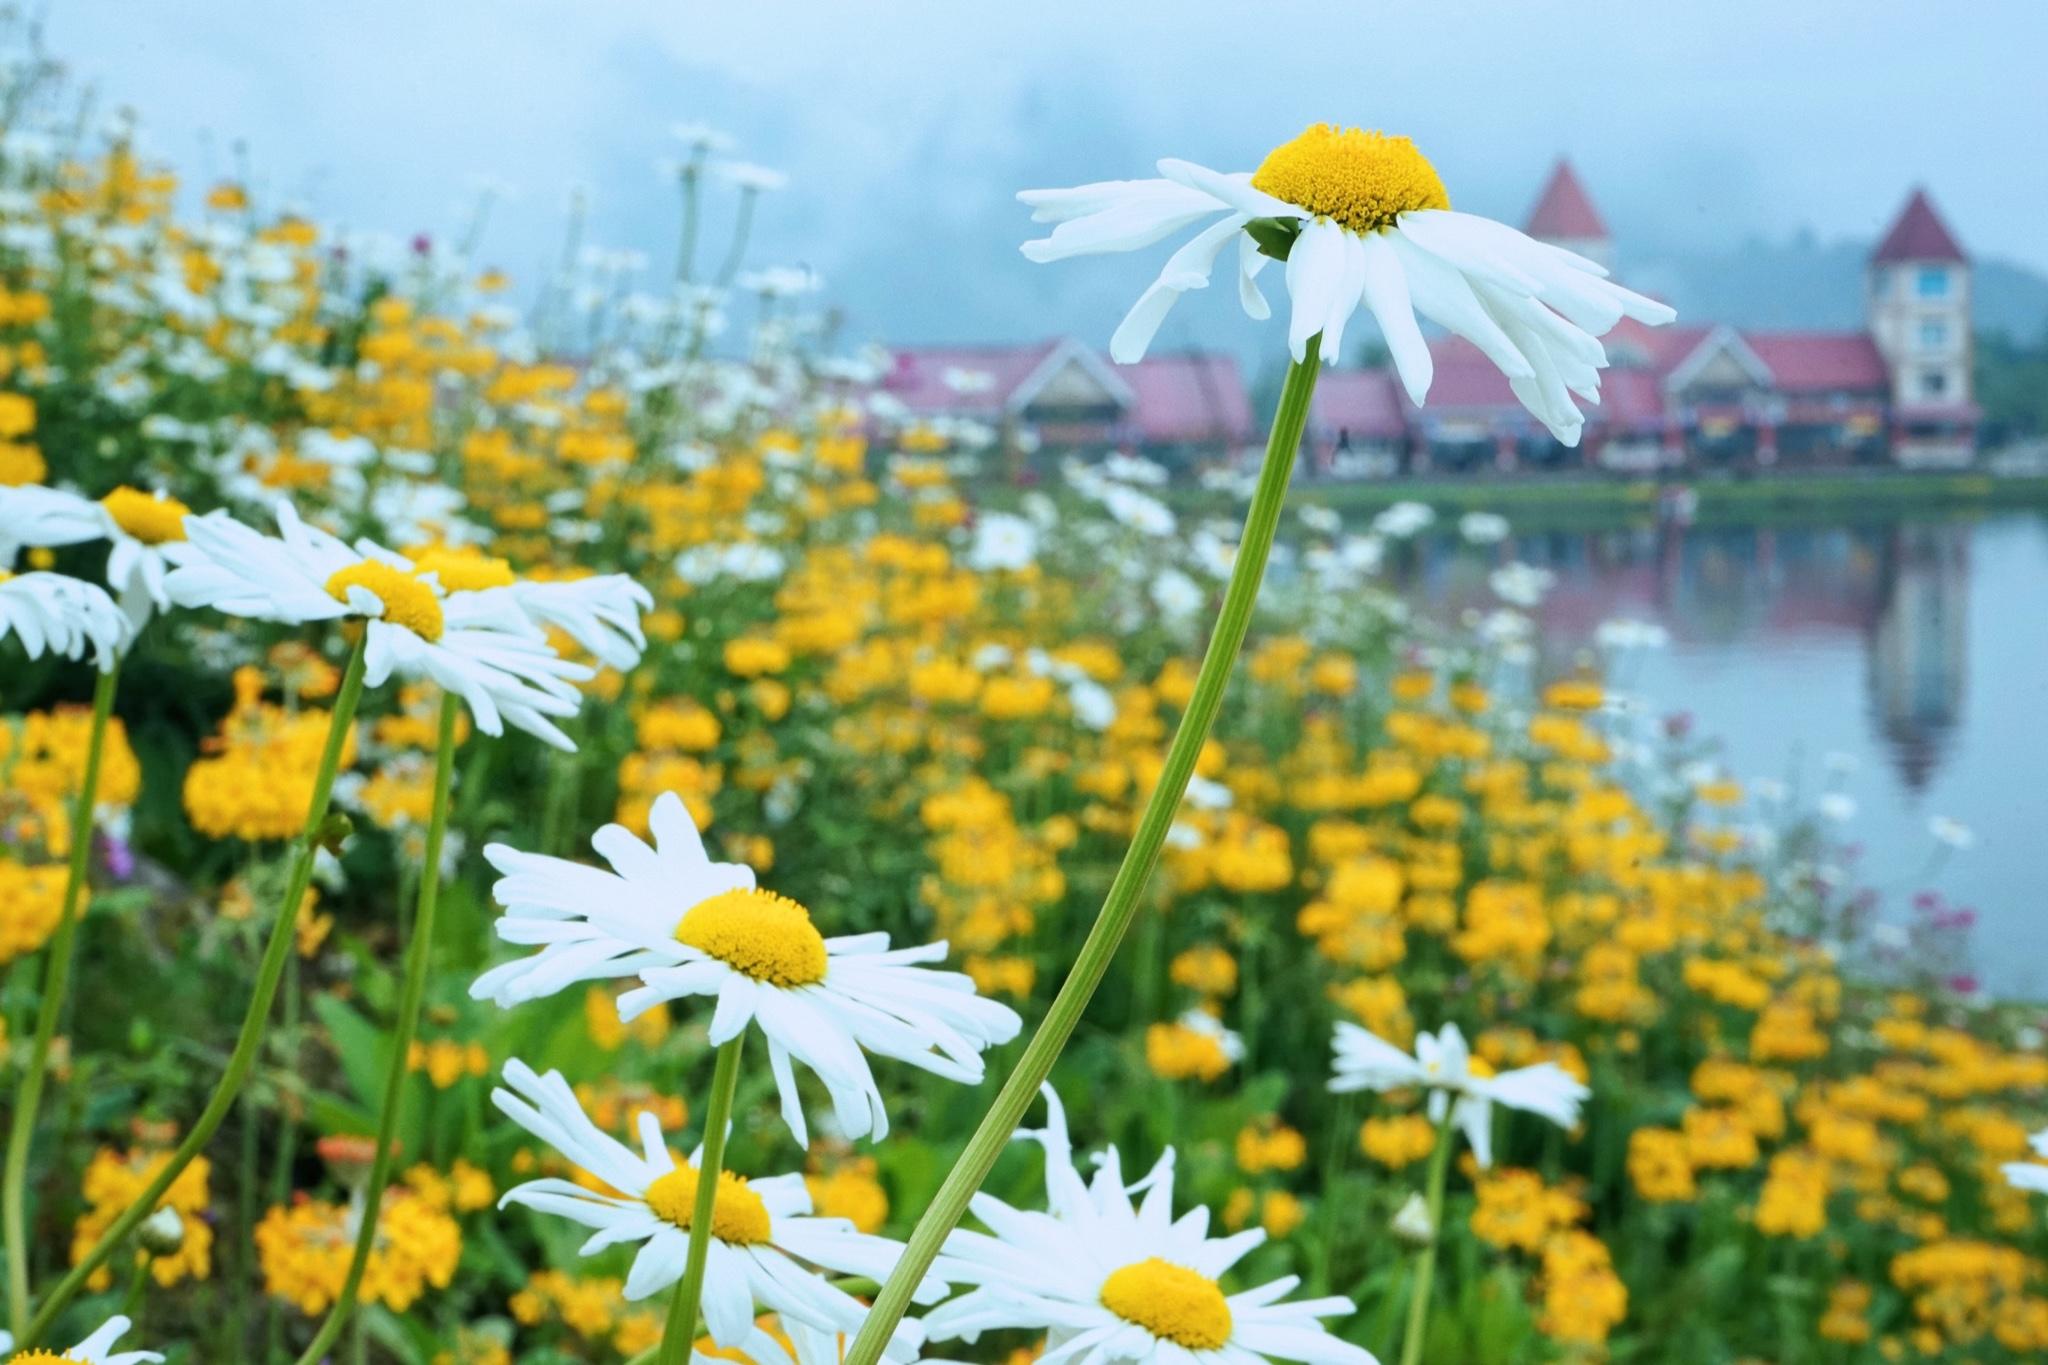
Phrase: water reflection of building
(1698, 395)
(1918, 645)
(1898, 593)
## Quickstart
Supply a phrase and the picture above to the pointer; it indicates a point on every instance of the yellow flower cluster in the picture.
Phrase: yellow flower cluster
(256, 781)
(304, 1249)
(444, 1061)
(42, 763)
(113, 1181)
(850, 1190)
(593, 1310)
(1178, 1051)
(31, 900)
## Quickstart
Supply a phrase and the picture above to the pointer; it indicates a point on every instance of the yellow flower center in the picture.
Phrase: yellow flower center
(407, 601)
(42, 1357)
(1359, 180)
(150, 518)
(1171, 1302)
(737, 1214)
(766, 936)
(462, 572)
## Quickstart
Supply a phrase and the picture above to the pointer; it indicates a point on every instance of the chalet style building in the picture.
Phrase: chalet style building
(1065, 397)
(1693, 396)
(1697, 394)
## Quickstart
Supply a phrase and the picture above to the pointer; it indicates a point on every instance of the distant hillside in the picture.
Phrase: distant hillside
(1808, 283)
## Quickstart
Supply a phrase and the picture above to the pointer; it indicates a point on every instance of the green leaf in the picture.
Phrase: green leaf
(1275, 236)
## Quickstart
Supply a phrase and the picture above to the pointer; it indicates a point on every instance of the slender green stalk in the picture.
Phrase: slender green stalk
(947, 1207)
(681, 1331)
(268, 973)
(1336, 1146)
(1424, 1279)
(686, 247)
(56, 985)
(131, 1301)
(411, 996)
(743, 222)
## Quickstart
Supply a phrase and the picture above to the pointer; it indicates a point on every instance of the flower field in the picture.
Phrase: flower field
(466, 767)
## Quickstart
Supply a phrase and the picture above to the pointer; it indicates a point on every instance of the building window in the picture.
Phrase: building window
(1933, 383)
(1933, 334)
(1931, 282)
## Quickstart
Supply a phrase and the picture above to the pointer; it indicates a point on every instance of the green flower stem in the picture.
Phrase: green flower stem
(743, 222)
(686, 248)
(56, 985)
(943, 1214)
(681, 1331)
(247, 1042)
(411, 996)
(1424, 1278)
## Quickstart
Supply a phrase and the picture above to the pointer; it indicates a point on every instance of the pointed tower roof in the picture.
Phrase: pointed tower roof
(1564, 210)
(1918, 234)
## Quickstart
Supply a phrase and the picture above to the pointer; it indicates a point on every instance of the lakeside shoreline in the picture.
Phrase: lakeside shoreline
(1608, 499)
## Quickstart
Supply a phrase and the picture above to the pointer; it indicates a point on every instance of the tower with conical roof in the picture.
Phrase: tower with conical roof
(1564, 216)
(1918, 302)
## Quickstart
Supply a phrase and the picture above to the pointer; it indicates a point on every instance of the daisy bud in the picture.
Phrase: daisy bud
(1411, 1226)
(162, 1233)
(334, 832)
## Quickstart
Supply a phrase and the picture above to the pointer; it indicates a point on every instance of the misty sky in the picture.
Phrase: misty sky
(906, 126)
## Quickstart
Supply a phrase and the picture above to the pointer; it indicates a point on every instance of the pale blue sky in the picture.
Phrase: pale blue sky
(906, 126)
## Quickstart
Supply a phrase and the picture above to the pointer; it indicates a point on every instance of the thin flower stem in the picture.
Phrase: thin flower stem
(686, 247)
(947, 1207)
(411, 995)
(247, 1042)
(1425, 1257)
(56, 985)
(681, 1330)
(743, 222)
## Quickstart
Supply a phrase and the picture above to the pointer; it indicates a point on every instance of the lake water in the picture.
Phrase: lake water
(1916, 649)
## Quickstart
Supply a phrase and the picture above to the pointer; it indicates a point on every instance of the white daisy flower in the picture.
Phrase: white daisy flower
(763, 1241)
(2030, 1175)
(1002, 541)
(1456, 1081)
(686, 926)
(93, 1350)
(600, 613)
(139, 526)
(479, 646)
(50, 611)
(1361, 219)
(1112, 1281)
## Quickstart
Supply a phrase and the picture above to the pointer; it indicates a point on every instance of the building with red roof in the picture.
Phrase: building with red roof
(1182, 409)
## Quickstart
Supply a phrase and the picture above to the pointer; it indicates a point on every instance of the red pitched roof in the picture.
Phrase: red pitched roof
(1918, 234)
(1363, 404)
(962, 380)
(1806, 362)
(1195, 396)
(1564, 210)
